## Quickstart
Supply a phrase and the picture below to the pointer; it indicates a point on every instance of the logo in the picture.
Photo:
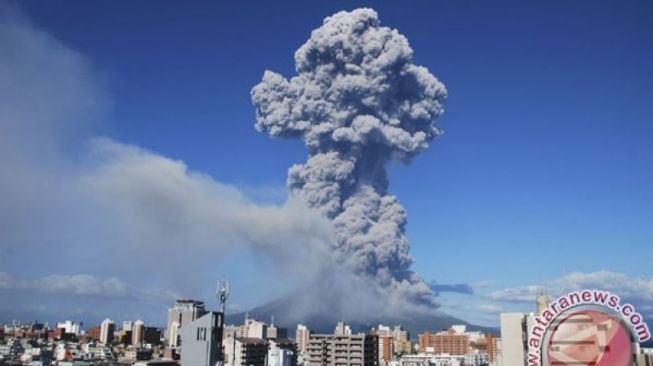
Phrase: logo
(588, 327)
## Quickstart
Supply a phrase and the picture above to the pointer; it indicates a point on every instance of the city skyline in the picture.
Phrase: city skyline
(127, 129)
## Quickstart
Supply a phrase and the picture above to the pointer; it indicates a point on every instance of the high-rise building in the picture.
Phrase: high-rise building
(301, 337)
(254, 329)
(184, 312)
(173, 335)
(342, 329)
(514, 337)
(448, 342)
(127, 325)
(201, 340)
(69, 327)
(92, 334)
(244, 351)
(107, 329)
(386, 343)
(402, 345)
(137, 333)
(342, 350)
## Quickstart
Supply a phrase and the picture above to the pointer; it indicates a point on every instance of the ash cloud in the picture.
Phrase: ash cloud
(358, 102)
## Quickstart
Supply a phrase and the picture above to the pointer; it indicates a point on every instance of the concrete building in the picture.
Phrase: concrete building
(127, 325)
(107, 329)
(276, 332)
(69, 327)
(243, 351)
(173, 335)
(280, 357)
(289, 348)
(93, 334)
(301, 337)
(342, 329)
(448, 342)
(385, 344)
(254, 329)
(402, 343)
(201, 340)
(184, 312)
(514, 338)
(137, 333)
(342, 350)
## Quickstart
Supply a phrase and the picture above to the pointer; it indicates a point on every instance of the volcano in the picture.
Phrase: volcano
(286, 311)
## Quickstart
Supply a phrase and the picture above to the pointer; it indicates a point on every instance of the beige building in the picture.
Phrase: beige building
(301, 337)
(243, 351)
(342, 350)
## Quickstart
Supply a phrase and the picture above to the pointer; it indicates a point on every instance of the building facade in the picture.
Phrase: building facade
(201, 340)
(244, 351)
(448, 342)
(106, 331)
(184, 312)
(342, 350)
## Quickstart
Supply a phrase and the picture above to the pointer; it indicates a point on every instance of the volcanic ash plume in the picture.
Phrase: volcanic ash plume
(358, 102)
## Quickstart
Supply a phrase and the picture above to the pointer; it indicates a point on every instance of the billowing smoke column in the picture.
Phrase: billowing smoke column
(358, 102)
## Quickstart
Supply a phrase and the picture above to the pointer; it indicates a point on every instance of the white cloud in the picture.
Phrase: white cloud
(76, 285)
(637, 290)
(490, 308)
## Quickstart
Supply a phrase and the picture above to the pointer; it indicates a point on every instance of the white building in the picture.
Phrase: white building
(342, 329)
(137, 333)
(69, 327)
(127, 325)
(279, 357)
(254, 329)
(515, 328)
(106, 331)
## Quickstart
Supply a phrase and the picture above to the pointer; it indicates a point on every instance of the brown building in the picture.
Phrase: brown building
(444, 342)
(94, 334)
(386, 347)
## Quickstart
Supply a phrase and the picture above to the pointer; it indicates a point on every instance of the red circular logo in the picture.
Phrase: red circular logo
(589, 337)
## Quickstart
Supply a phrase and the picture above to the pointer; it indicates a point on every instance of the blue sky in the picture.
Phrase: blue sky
(544, 168)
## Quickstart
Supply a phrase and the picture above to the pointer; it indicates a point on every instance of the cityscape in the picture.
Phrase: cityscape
(196, 336)
(370, 182)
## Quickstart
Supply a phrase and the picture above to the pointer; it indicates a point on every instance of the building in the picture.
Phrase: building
(137, 333)
(276, 332)
(301, 337)
(449, 342)
(514, 338)
(106, 331)
(385, 344)
(69, 327)
(127, 325)
(289, 348)
(94, 333)
(244, 351)
(254, 329)
(184, 312)
(342, 329)
(342, 350)
(201, 340)
(280, 357)
(151, 336)
(402, 343)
